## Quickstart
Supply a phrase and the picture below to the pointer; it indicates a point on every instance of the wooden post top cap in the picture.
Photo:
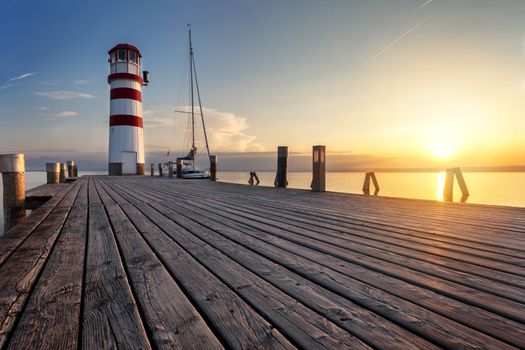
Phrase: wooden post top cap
(70, 162)
(282, 151)
(53, 167)
(12, 163)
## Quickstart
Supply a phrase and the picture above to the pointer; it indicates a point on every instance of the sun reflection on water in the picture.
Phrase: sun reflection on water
(441, 185)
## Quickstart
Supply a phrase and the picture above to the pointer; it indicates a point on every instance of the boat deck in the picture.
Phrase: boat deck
(149, 262)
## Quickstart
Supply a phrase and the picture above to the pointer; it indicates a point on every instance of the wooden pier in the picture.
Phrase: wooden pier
(151, 262)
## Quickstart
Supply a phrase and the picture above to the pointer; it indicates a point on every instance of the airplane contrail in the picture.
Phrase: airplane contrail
(423, 5)
(392, 43)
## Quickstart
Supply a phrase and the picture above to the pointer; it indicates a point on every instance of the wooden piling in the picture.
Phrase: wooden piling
(152, 170)
(370, 176)
(170, 169)
(160, 169)
(282, 167)
(213, 167)
(179, 168)
(254, 179)
(12, 167)
(63, 173)
(318, 169)
(461, 182)
(366, 184)
(448, 190)
(70, 166)
(75, 170)
(53, 173)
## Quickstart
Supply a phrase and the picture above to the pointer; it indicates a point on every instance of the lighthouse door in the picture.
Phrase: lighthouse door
(129, 163)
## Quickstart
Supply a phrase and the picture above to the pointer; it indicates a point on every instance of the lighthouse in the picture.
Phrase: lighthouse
(126, 133)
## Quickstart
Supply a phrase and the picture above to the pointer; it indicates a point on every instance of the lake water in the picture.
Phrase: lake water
(485, 188)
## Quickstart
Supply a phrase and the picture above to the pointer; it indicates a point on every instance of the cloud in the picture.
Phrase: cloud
(23, 76)
(43, 108)
(226, 131)
(66, 114)
(63, 95)
(81, 82)
(6, 86)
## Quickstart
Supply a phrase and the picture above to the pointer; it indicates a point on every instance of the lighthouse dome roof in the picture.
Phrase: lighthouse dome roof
(125, 46)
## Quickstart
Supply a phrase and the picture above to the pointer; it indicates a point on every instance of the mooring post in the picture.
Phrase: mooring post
(70, 166)
(366, 184)
(213, 168)
(75, 170)
(12, 167)
(448, 190)
(63, 173)
(160, 169)
(170, 169)
(318, 169)
(53, 173)
(152, 170)
(179, 168)
(462, 184)
(282, 167)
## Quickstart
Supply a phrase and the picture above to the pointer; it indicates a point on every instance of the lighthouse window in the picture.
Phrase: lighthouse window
(133, 56)
(113, 56)
(121, 55)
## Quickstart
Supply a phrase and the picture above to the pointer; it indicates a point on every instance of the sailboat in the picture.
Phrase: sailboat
(189, 170)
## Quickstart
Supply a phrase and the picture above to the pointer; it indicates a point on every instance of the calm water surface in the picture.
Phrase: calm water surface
(485, 188)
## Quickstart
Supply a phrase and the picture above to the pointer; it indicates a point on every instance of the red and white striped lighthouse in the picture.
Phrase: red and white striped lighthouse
(126, 134)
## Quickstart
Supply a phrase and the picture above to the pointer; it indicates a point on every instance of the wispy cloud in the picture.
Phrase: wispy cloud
(66, 114)
(6, 86)
(43, 108)
(63, 95)
(81, 82)
(23, 76)
(398, 39)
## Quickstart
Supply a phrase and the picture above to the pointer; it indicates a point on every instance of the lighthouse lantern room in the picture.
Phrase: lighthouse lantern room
(126, 135)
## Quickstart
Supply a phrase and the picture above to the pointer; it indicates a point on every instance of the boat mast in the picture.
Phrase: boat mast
(200, 107)
(192, 103)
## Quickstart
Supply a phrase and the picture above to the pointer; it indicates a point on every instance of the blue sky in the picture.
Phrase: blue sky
(374, 80)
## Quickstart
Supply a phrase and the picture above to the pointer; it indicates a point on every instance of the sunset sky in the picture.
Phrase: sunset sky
(392, 83)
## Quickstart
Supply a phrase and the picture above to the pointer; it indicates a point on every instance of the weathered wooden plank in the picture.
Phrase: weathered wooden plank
(16, 236)
(298, 323)
(447, 306)
(386, 216)
(403, 237)
(237, 323)
(390, 256)
(308, 268)
(20, 271)
(370, 328)
(383, 251)
(46, 190)
(110, 316)
(171, 318)
(51, 318)
(392, 208)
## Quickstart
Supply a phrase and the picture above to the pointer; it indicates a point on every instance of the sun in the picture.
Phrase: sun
(442, 150)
